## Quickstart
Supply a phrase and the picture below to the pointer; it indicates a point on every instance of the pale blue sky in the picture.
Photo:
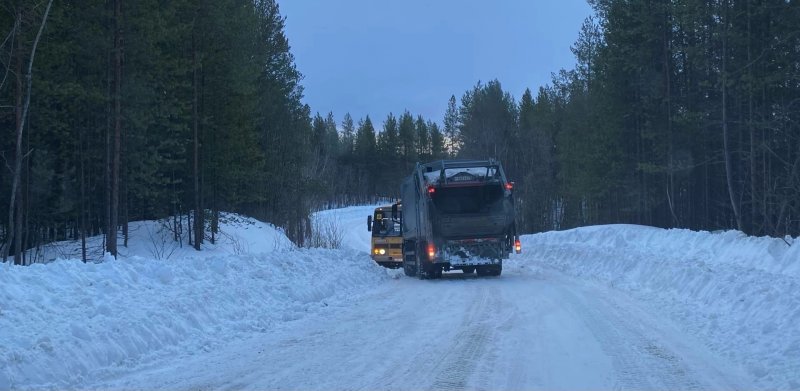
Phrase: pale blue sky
(375, 56)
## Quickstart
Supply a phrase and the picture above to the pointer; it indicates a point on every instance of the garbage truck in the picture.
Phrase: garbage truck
(458, 215)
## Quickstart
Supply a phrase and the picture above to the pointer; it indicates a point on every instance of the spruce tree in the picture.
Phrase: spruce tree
(423, 139)
(437, 141)
(451, 134)
(408, 141)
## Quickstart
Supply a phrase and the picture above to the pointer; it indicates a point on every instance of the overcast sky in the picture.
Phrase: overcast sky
(372, 57)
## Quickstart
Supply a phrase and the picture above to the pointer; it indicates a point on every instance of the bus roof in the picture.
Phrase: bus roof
(388, 208)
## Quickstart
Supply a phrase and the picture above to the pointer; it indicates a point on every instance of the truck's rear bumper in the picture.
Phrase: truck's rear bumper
(457, 262)
(479, 251)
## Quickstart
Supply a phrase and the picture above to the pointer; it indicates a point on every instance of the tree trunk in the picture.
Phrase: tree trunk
(726, 147)
(83, 198)
(11, 237)
(124, 188)
(18, 222)
(15, 222)
(670, 142)
(115, 159)
(198, 207)
(755, 226)
(107, 164)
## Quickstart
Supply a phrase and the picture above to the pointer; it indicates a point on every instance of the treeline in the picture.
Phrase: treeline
(364, 162)
(150, 110)
(143, 110)
(682, 113)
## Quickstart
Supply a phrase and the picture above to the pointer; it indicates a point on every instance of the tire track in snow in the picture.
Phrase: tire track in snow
(640, 363)
(458, 363)
(430, 334)
(448, 355)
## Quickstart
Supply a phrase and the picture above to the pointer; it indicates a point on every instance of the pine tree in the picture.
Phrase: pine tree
(387, 158)
(388, 138)
(488, 118)
(366, 153)
(452, 140)
(537, 184)
(423, 139)
(408, 141)
(284, 128)
(437, 141)
(348, 135)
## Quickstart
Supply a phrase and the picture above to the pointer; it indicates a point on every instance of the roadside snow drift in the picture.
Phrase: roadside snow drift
(64, 323)
(70, 325)
(740, 294)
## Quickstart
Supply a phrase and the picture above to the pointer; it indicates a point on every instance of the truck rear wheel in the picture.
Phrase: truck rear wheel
(425, 269)
(422, 270)
(409, 270)
(430, 271)
(418, 264)
(497, 270)
(490, 270)
(409, 258)
(435, 271)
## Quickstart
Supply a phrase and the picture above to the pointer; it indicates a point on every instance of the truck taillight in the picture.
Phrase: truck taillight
(431, 251)
(517, 246)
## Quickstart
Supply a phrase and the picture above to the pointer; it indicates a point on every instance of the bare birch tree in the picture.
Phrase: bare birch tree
(15, 232)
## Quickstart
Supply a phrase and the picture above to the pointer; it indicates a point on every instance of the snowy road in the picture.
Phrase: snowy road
(531, 328)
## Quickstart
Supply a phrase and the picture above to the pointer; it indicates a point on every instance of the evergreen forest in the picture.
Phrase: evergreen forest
(677, 114)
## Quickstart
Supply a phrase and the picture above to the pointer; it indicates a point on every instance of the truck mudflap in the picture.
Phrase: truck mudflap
(474, 252)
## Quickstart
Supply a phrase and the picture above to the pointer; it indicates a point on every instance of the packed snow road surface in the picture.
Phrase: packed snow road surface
(613, 307)
(529, 329)
(532, 328)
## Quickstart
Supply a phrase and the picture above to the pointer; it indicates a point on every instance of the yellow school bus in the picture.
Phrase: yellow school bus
(386, 225)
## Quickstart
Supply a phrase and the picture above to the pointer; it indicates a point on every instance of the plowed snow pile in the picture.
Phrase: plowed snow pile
(65, 322)
(740, 294)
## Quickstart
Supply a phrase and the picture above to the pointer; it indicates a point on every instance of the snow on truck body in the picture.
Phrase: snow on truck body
(459, 214)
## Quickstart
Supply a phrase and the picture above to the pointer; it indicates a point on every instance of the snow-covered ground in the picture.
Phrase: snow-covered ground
(67, 324)
(624, 307)
(740, 295)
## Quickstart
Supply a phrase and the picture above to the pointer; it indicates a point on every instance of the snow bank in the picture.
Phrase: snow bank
(740, 294)
(352, 223)
(156, 239)
(66, 322)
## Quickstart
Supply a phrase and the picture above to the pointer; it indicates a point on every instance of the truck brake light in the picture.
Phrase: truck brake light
(517, 246)
(431, 251)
